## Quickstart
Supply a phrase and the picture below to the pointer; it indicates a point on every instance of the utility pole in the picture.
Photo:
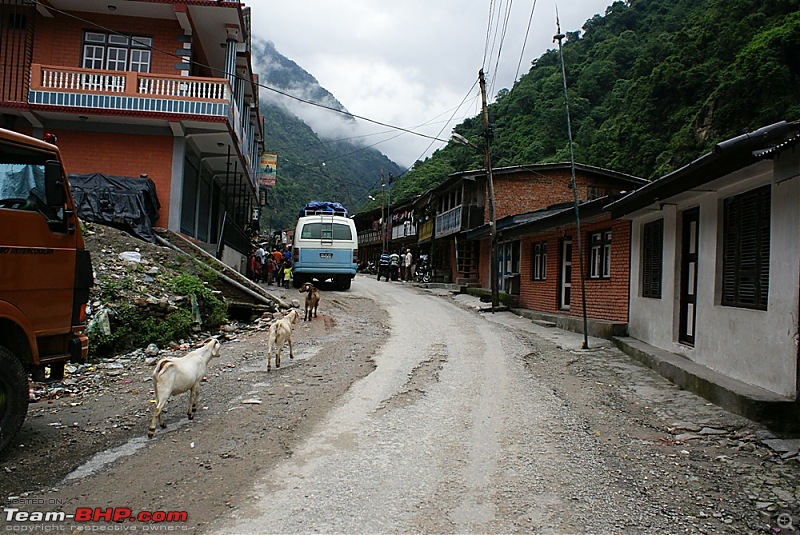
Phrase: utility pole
(487, 162)
(383, 217)
(389, 210)
(559, 36)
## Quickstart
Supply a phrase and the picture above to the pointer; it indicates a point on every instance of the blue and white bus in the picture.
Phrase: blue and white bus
(325, 245)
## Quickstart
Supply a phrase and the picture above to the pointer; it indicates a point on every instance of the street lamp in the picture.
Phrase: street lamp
(487, 162)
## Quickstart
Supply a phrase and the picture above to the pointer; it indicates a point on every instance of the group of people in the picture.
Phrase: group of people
(273, 268)
(396, 265)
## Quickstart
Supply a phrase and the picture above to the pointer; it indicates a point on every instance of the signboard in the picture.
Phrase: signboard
(268, 169)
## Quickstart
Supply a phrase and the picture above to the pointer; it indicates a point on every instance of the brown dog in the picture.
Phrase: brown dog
(312, 299)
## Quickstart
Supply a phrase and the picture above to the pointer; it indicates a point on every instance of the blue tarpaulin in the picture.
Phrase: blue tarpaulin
(323, 206)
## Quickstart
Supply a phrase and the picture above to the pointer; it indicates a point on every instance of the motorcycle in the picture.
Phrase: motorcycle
(368, 266)
(423, 272)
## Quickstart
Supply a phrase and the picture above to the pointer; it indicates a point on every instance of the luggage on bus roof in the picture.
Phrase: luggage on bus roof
(315, 207)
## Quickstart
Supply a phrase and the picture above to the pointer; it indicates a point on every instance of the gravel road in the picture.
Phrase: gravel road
(406, 411)
(471, 423)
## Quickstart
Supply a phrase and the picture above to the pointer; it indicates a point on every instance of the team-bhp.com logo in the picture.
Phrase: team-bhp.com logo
(97, 514)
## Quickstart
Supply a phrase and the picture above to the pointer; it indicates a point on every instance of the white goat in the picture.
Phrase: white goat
(280, 332)
(312, 299)
(176, 375)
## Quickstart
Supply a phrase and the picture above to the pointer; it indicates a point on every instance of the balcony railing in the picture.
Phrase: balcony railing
(448, 222)
(458, 219)
(403, 230)
(54, 80)
(141, 92)
(369, 237)
(426, 230)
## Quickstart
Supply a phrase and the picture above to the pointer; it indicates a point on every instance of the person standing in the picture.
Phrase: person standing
(277, 255)
(287, 273)
(407, 262)
(251, 266)
(279, 272)
(383, 265)
(261, 267)
(270, 268)
(394, 265)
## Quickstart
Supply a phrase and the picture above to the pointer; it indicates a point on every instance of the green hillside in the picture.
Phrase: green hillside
(653, 84)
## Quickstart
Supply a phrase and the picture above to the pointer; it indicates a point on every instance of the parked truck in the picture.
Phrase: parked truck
(45, 274)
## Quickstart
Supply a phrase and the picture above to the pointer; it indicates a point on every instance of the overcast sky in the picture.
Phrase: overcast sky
(412, 63)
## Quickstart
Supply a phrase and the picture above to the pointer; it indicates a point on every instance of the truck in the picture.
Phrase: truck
(45, 274)
(325, 245)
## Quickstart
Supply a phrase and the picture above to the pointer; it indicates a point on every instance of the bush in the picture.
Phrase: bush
(213, 311)
(132, 326)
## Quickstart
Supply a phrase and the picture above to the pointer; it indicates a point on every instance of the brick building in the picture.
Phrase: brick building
(462, 220)
(548, 279)
(157, 89)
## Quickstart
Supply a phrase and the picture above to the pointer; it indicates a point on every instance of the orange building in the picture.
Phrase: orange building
(144, 88)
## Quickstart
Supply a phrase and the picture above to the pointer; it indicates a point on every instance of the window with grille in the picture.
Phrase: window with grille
(652, 258)
(539, 271)
(745, 246)
(116, 52)
(600, 255)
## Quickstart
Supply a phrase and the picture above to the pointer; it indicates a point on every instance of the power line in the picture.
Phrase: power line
(500, 46)
(525, 41)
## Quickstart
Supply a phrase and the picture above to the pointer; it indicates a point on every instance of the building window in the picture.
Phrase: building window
(115, 52)
(600, 255)
(652, 258)
(745, 257)
(595, 192)
(539, 261)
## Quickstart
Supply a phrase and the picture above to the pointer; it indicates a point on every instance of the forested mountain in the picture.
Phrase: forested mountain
(310, 166)
(653, 84)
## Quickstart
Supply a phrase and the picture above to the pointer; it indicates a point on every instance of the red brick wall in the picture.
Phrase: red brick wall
(121, 155)
(525, 192)
(606, 299)
(59, 39)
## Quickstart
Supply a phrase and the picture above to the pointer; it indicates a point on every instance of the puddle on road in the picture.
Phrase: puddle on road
(101, 459)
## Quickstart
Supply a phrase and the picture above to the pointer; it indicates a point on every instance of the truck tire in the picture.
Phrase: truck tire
(13, 396)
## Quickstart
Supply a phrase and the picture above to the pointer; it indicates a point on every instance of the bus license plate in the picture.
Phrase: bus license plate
(326, 255)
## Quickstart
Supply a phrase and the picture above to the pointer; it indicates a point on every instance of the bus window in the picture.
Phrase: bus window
(326, 231)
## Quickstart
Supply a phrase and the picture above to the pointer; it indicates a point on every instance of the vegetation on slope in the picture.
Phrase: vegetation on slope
(653, 84)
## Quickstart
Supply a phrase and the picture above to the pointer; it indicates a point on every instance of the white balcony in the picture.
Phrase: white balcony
(144, 94)
(404, 230)
(448, 222)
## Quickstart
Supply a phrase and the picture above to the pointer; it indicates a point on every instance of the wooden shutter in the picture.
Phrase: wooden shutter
(745, 262)
(652, 258)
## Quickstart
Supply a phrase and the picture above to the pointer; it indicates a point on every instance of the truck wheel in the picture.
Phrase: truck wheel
(345, 282)
(13, 396)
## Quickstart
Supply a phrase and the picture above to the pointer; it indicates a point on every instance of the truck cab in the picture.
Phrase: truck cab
(45, 274)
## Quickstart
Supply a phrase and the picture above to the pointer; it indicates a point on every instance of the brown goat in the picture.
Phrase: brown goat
(312, 299)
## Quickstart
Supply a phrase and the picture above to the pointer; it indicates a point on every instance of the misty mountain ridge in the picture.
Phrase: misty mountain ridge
(319, 155)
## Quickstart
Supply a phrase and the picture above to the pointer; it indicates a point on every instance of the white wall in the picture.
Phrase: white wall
(753, 346)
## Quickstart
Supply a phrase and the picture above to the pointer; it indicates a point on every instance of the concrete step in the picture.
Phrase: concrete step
(543, 323)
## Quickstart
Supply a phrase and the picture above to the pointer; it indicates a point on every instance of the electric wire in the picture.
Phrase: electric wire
(525, 41)
(500, 45)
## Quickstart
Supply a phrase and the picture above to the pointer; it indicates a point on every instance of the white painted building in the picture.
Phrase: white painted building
(715, 259)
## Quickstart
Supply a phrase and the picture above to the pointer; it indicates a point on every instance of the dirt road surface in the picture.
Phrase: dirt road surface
(405, 411)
